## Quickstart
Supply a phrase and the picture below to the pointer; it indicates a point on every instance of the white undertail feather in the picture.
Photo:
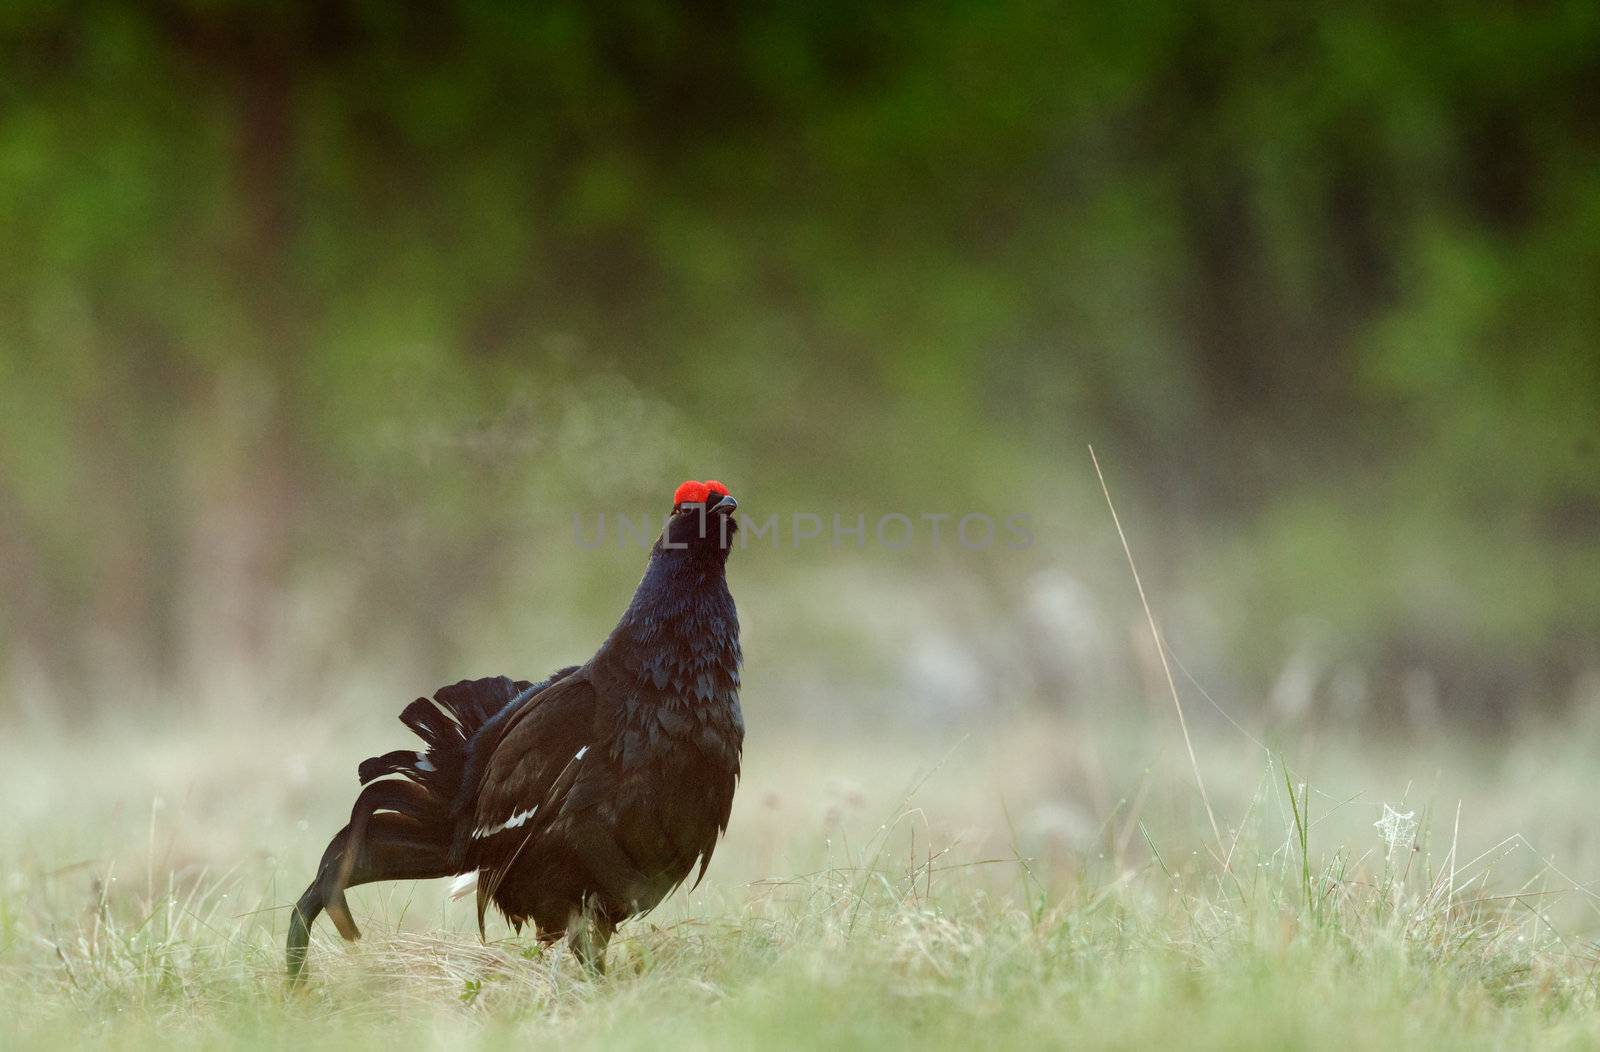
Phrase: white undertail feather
(464, 885)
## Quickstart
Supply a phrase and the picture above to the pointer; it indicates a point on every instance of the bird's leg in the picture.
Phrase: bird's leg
(588, 933)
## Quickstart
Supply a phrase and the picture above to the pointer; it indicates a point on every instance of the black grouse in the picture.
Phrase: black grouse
(579, 801)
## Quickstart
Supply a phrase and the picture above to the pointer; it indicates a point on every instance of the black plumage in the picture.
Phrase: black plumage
(581, 800)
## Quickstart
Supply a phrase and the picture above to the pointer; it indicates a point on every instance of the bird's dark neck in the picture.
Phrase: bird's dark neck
(681, 631)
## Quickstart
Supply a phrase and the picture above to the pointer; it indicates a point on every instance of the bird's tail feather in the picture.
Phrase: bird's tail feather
(391, 847)
(403, 828)
(431, 782)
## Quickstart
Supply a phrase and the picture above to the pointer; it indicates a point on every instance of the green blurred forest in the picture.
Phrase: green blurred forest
(317, 321)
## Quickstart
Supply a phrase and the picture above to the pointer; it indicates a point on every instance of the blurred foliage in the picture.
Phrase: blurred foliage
(340, 294)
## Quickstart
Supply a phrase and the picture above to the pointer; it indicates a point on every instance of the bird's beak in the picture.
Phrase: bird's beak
(726, 504)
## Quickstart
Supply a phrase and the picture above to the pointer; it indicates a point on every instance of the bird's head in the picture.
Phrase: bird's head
(702, 516)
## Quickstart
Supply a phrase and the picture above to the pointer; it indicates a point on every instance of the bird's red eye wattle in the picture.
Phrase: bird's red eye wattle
(690, 492)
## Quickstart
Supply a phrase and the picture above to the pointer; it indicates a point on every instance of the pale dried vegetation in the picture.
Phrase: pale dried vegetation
(1001, 888)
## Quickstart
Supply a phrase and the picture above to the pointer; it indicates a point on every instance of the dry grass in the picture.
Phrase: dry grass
(1042, 883)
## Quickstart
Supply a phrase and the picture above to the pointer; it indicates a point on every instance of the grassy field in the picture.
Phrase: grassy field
(1048, 882)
